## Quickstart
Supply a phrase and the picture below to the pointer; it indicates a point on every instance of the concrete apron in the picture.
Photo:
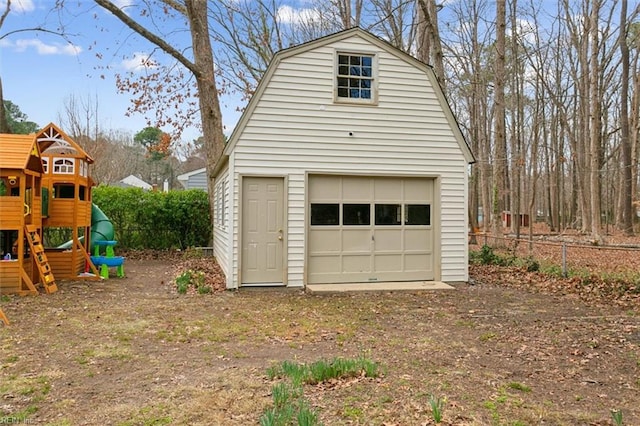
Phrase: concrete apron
(378, 286)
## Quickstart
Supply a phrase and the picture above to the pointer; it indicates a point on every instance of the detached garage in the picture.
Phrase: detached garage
(347, 166)
(370, 229)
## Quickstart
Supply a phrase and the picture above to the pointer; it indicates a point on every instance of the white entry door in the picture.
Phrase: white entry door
(262, 230)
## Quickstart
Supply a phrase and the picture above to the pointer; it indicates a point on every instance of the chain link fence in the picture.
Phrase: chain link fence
(561, 255)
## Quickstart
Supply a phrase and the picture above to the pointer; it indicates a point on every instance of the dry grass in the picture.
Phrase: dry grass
(132, 352)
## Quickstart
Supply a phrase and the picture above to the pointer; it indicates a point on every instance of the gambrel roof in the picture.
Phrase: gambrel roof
(333, 38)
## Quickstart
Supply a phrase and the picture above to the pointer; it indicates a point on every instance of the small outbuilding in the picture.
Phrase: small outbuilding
(347, 166)
(195, 179)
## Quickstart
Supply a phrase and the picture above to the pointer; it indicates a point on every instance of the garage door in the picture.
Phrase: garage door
(365, 229)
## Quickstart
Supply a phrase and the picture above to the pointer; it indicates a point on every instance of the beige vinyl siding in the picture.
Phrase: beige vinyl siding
(222, 229)
(296, 129)
(454, 236)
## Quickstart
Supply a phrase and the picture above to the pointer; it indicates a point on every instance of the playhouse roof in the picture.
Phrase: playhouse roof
(51, 138)
(19, 152)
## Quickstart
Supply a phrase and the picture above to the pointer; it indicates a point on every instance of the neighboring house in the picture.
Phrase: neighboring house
(195, 179)
(346, 166)
(133, 181)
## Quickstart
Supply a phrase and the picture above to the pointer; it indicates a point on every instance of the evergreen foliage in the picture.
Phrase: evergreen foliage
(156, 220)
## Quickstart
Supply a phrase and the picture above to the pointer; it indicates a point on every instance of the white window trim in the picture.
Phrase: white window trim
(374, 78)
(64, 166)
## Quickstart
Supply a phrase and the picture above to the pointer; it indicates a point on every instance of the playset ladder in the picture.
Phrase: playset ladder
(3, 317)
(37, 251)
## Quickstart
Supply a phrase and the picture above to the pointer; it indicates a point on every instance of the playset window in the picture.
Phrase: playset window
(63, 166)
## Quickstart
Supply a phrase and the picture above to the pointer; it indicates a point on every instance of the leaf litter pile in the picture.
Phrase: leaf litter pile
(514, 347)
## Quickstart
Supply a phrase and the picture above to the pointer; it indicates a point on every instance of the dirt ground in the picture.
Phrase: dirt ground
(133, 352)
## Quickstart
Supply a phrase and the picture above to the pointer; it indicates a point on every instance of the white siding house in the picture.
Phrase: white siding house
(346, 166)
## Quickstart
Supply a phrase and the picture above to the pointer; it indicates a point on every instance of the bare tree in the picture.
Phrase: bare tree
(596, 124)
(470, 82)
(393, 20)
(500, 151)
(627, 195)
(429, 48)
(247, 35)
(349, 16)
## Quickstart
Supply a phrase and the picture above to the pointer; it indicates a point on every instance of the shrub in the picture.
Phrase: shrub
(486, 256)
(156, 220)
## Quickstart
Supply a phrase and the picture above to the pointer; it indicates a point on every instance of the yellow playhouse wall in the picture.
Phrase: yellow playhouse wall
(11, 212)
(63, 265)
(66, 212)
(10, 276)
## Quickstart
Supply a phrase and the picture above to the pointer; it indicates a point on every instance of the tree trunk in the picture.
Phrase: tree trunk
(429, 43)
(210, 114)
(595, 127)
(627, 195)
(634, 136)
(517, 160)
(500, 151)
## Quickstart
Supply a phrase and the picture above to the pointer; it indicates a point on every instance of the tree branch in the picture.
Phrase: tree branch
(40, 29)
(153, 38)
(5, 13)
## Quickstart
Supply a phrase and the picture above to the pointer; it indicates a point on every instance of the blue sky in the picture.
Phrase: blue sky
(40, 71)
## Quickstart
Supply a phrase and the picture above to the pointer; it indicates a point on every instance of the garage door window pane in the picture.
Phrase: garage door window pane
(417, 214)
(388, 214)
(356, 214)
(325, 214)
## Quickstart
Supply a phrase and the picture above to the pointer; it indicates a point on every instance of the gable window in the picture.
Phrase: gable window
(355, 77)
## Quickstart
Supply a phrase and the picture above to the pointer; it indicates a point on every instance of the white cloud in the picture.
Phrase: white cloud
(139, 62)
(124, 4)
(526, 30)
(289, 15)
(42, 48)
(18, 6)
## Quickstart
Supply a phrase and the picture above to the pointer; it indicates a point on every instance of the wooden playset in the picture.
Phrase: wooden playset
(4, 318)
(44, 183)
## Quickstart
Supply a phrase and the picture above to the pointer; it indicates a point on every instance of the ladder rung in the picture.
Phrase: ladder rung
(41, 259)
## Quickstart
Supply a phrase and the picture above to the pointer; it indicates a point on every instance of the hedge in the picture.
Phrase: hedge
(156, 220)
